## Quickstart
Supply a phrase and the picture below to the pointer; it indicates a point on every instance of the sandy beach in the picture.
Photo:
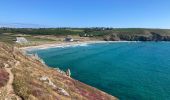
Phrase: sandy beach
(67, 44)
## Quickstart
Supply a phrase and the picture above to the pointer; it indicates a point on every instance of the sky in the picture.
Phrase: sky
(86, 13)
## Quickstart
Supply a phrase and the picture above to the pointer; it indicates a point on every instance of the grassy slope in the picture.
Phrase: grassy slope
(3, 77)
(27, 82)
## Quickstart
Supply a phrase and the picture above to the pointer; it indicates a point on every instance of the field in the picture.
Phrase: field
(50, 35)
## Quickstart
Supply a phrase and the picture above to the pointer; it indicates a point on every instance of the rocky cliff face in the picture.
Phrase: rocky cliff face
(149, 36)
(26, 77)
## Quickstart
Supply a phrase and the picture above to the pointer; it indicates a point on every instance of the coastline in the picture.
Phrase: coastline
(70, 44)
(67, 44)
(33, 73)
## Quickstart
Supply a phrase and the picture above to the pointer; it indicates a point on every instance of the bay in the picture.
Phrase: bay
(129, 71)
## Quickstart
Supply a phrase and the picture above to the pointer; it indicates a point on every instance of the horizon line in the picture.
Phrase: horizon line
(38, 26)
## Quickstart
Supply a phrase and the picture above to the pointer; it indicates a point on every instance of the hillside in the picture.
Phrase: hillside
(24, 77)
(108, 34)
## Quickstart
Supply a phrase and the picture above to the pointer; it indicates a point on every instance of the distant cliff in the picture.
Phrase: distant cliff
(129, 34)
(152, 36)
(28, 78)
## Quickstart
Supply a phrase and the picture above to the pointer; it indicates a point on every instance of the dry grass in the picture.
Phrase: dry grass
(3, 77)
(28, 86)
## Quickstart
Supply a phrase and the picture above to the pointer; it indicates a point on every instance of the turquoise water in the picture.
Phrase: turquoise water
(129, 71)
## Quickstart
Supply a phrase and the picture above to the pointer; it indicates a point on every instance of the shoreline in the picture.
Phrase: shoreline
(44, 71)
(67, 44)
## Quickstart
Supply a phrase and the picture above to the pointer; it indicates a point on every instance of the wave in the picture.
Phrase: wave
(63, 45)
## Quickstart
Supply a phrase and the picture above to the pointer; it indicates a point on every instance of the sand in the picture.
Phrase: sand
(67, 44)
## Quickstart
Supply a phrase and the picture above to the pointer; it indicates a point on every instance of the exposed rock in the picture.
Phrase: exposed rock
(60, 71)
(62, 92)
(6, 65)
(46, 80)
(50, 83)
(68, 72)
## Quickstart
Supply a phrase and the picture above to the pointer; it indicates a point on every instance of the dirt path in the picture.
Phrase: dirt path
(9, 87)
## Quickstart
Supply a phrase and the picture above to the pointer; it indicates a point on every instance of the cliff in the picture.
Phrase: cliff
(129, 34)
(150, 36)
(27, 78)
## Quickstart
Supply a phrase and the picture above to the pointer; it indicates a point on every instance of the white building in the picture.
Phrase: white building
(21, 40)
(69, 39)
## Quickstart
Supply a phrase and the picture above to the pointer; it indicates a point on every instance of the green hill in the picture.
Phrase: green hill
(129, 34)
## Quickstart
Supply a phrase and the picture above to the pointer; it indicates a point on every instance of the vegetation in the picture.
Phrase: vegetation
(111, 34)
(30, 82)
(3, 77)
(80, 31)
(41, 31)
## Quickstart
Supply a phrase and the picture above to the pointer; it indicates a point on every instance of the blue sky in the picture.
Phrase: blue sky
(87, 13)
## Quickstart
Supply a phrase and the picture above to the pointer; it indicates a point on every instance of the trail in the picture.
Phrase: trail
(10, 90)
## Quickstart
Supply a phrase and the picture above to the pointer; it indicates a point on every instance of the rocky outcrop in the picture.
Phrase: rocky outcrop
(68, 72)
(150, 36)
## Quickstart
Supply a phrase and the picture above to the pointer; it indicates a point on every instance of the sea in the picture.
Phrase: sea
(127, 70)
